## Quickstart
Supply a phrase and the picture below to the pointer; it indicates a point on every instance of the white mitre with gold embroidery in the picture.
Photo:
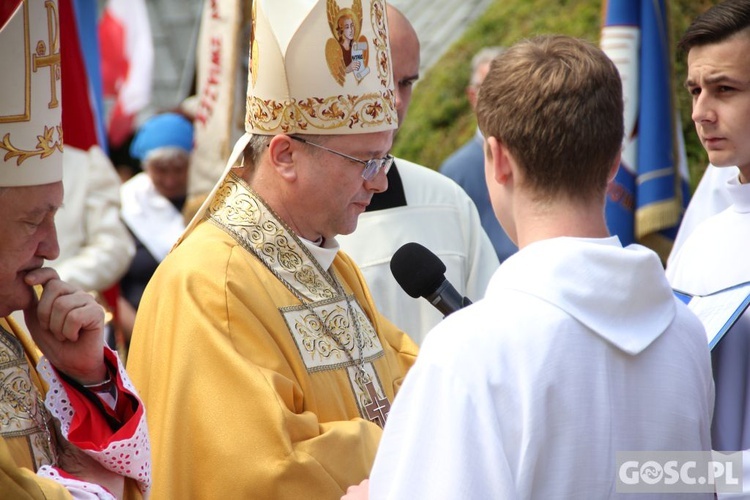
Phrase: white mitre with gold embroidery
(31, 140)
(320, 67)
(316, 67)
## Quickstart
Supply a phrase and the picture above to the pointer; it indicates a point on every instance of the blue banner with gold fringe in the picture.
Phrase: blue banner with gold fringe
(646, 200)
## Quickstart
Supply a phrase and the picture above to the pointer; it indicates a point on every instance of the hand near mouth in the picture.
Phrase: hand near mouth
(68, 326)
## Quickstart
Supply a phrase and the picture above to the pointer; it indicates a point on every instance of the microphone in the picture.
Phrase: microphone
(421, 273)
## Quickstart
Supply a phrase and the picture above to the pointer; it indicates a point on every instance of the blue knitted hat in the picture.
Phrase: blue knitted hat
(161, 131)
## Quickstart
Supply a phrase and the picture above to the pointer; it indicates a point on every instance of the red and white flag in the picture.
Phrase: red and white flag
(127, 52)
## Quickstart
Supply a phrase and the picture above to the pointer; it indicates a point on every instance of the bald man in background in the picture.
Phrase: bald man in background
(420, 205)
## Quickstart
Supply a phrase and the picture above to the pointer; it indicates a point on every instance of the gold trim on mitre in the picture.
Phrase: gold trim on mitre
(31, 136)
(291, 88)
(312, 75)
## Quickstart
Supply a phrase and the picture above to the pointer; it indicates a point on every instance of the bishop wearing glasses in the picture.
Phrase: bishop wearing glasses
(265, 367)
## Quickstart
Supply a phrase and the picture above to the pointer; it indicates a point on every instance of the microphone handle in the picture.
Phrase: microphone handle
(446, 298)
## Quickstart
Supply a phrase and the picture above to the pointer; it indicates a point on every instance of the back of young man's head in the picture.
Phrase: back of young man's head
(717, 24)
(556, 103)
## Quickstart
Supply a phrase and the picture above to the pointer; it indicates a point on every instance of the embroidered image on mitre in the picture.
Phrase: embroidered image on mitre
(31, 138)
(320, 67)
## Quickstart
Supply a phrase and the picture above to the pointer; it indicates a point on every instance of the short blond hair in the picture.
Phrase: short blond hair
(556, 103)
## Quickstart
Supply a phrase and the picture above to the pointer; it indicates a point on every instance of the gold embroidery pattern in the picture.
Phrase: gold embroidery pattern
(377, 17)
(324, 346)
(44, 58)
(369, 110)
(254, 225)
(21, 411)
(46, 145)
(239, 211)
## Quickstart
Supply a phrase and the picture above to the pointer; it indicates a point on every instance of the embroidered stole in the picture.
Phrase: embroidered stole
(321, 326)
(24, 420)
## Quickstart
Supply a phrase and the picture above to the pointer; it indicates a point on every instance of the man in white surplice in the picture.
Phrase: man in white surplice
(714, 256)
(579, 349)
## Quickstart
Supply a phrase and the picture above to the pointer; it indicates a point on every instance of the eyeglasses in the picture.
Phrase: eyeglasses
(372, 167)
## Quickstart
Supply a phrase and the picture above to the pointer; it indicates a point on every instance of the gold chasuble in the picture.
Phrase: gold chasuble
(25, 424)
(29, 434)
(264, 376)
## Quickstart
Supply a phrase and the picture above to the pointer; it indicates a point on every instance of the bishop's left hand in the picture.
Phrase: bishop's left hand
(67, 325)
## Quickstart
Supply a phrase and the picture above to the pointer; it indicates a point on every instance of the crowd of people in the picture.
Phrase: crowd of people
(263, 349)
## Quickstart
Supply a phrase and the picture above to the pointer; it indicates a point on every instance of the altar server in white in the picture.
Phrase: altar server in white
(710, 197)
(579, 349)
(714, 256)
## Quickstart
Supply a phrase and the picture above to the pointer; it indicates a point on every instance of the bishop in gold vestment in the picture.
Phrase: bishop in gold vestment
(246, 356)
(266, 370)
(71, 423)
(29, 443)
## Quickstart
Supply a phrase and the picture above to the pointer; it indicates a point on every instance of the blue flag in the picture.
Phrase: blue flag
(88, 37)
(646, 201)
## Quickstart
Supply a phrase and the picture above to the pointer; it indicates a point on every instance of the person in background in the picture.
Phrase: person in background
(152, 202)
(272, 372)
(95, 246)
(580, 349)
(466, 165)
(714, 256)
(422, 206)
(125, 165)
(72, 424)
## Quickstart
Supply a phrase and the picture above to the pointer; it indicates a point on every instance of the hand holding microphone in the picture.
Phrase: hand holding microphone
(421, 273)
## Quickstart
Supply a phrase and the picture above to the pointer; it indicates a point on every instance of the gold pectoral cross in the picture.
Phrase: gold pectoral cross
(44, 58)
(376, 409)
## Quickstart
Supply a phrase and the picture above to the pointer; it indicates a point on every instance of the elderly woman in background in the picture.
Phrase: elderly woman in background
(152, 202)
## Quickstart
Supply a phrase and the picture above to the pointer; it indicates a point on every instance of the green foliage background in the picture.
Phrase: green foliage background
(440, 119)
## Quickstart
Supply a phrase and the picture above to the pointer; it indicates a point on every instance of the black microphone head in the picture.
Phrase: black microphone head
(419, 271)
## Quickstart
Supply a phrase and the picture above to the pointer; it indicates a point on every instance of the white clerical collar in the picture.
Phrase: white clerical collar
(611, 241)
(740, 194)
(323, 254)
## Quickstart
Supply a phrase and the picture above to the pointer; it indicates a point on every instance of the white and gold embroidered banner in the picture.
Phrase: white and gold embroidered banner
(219, 84)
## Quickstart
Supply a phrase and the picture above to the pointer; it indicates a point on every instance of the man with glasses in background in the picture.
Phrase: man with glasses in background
(270, 350)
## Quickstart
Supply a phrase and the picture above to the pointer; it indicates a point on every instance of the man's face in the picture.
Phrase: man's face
(405, 53)
(330, 192)
(719, 82)
(28, 239)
